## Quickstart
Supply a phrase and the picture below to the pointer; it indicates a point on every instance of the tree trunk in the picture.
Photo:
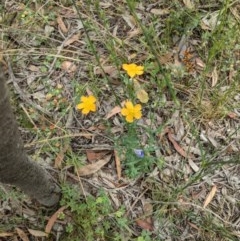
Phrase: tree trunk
(15, 166)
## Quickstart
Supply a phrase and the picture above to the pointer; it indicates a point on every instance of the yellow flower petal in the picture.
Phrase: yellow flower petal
(92, 98)
(80, 106)
(133, 69)
(131, 73)
(139, 70)
(129, 105)
(138, 115)
(87, 104)
(131, 112)
(92, 107)
(83, 98)
(85, 111)
(138, 107)
(124, 111)
(129, 118)
(125, 66)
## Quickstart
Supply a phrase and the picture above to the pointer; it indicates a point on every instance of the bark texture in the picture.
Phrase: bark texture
(15, 166)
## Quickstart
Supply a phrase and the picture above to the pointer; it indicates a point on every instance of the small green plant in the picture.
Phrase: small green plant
(145, 236)
(137, 159)
(93, 218)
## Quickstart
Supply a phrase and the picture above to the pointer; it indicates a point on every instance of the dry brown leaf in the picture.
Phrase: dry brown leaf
(142, 95)
(193, 165)
(148, 209)
(48, 30)
(210, 21)
(95, 155)
(232, 115)
(118, 165)
(214, 77)
(148, 212)
(132, 34)
(129, 20)
(105, 4)
(61, 24)
(166, 59)
(200, 65)
(114, 111)
(73, 39)
(84, 134)
(53, 219)
(68, 66)
(23, 236)
(131, 56)
(33, 68)
(112, 71)
(60, 156)
(189, 4)
(5, 234)
(176, 146)
(194, 226)
(37, 233)
(160, 12)
(92, 168)
(89, 92)
(144, 224)
(210, 196)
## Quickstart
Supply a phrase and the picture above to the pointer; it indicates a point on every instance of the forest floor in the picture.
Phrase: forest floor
(173, 174)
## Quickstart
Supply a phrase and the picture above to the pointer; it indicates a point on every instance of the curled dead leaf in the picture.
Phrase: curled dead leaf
(53, 219)
(210, 196)
(114, 111)
(61, 24)
(37, 233)
(109, 70)
(92, 168)
(93, 155)
(71, 40)
(23, 236)
(159, 11)
(177, 147)
(144, 224)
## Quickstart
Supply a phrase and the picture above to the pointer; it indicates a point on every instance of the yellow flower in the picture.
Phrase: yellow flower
(131, 111)
(88, 103)
(133, 69)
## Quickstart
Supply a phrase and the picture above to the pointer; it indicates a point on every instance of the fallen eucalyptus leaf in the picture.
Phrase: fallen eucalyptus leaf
(92, 168)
